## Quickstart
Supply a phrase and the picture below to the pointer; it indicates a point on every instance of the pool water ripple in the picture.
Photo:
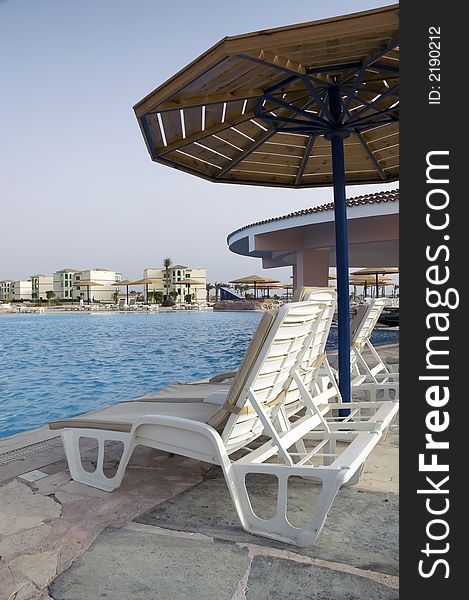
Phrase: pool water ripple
(55, 366)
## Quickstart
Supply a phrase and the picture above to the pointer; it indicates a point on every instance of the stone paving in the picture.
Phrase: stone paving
(45, 524)
(62, 540)
(361, 529)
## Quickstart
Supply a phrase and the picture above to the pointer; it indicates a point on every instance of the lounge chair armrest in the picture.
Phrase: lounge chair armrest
(222, 377)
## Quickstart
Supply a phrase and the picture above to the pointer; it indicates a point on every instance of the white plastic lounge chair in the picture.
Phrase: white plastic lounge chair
(122, 304)
(370, 378)
(255, 403)
(132, 304)
(361, 329)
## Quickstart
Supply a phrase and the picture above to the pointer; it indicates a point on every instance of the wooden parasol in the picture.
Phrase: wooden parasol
(308, 105)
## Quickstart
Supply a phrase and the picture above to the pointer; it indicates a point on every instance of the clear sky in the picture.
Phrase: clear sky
(77, 186)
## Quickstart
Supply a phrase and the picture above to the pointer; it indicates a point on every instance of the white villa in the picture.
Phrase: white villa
(103, 292)
(22, 290)
(6, 292)
(179, 273)
(41, 284)
(63, 283)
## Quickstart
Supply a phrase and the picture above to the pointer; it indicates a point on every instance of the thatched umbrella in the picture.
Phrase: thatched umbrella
(126, 283)
(188, 281)
(88, 284)
(146, 282)
(376, 271)
(308, 105)
(255, 281)
(287, 287)
(369, 281)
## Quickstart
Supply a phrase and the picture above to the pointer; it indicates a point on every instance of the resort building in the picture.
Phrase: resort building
(6, 293)
(63, 281)
(178, 274)
(102, 292)
(305, 240)
(40, 285)
(22, 290)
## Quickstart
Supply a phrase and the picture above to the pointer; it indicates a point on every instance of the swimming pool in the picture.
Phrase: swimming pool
(58, 365)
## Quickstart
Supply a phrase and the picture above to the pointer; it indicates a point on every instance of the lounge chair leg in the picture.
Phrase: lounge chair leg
(96, 478)
(330, 448)
(300, 447)
(356, 476)
(279, 528)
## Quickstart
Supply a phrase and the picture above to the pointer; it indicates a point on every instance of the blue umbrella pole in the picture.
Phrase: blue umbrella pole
(342, 264)
(336, 136)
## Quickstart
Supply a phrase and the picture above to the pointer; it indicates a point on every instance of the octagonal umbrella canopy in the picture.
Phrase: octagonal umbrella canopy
(306, 105)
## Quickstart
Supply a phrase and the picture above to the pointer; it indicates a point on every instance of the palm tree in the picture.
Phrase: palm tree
(167, 263)
(218, 285)
(243, 288)
(208, 287)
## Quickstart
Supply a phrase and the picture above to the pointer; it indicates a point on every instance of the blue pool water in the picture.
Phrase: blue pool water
(54, 366)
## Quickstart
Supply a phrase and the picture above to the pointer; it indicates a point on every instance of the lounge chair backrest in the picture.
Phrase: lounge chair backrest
(220, 418)
(365, 321)
(313, 358)
(303, 293)
(278, 347)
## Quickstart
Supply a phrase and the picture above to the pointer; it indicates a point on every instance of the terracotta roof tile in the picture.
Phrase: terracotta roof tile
(376, 198)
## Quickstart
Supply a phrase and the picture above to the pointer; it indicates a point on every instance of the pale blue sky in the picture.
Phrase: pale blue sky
(77, 186)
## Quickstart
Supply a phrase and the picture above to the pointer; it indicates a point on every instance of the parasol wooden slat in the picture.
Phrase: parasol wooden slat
(192, 119)
(384, 144)
(206, 154)
(213, 115)
(171, 121)
(154, 129)
(251, 166)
